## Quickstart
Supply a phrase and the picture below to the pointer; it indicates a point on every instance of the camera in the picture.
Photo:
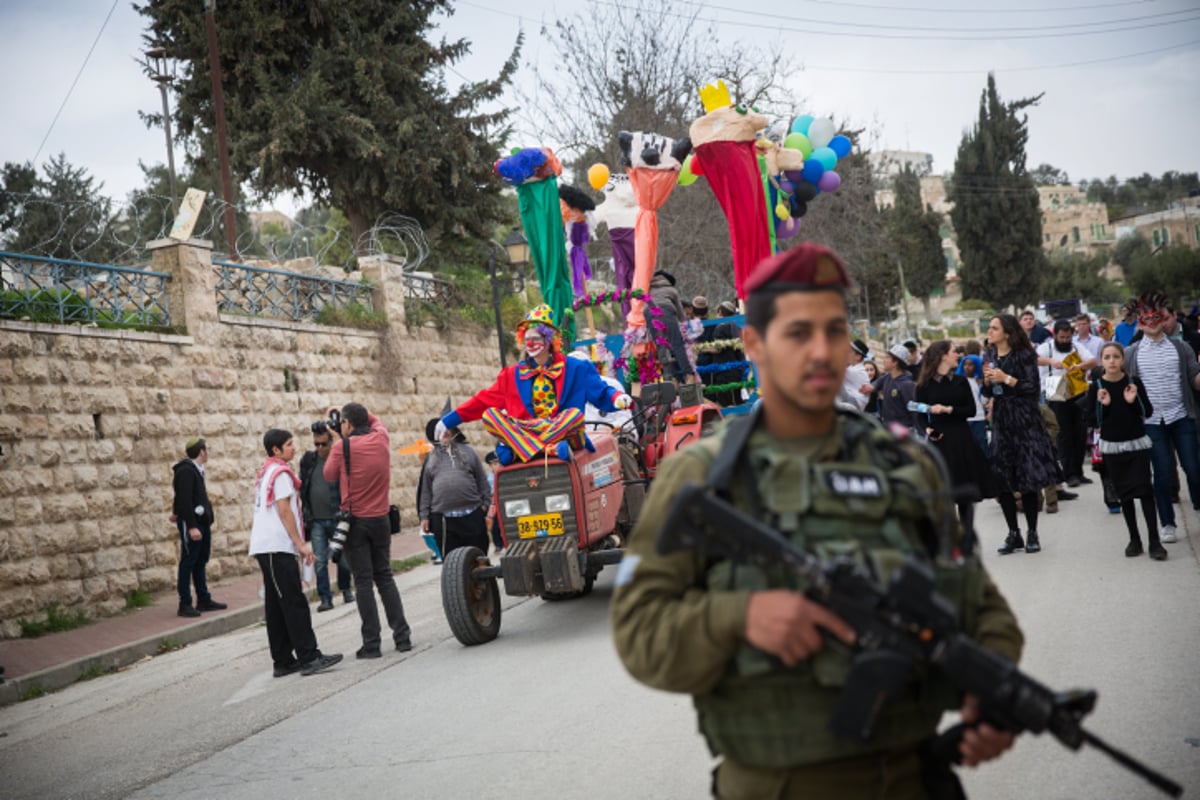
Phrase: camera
(337, 542)
(333, 424)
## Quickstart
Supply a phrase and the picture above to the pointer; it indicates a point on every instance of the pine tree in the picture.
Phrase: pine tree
(916, 235)
(996, 214)
(345, 100)
(60, 214)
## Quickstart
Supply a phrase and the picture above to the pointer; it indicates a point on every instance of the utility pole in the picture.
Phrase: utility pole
(904, 299)
(496, 303)
(158, 56)
(214, 70)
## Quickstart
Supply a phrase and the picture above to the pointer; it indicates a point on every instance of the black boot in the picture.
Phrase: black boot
(1032, 545)
(1134, 548)
(1011, 542)
(1157, 551)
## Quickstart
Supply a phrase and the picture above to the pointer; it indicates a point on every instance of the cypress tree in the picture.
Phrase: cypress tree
(915, 234)
(996, 215)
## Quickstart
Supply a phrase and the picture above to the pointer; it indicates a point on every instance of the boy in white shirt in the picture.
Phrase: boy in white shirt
(276, 541)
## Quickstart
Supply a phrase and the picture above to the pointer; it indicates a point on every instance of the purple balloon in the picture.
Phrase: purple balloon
(794, 175)
(829, 181)
(787, 228)
(786, 186)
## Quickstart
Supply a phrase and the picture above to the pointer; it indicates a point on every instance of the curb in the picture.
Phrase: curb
(62, 675)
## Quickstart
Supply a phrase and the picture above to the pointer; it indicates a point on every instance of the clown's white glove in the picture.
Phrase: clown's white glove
(439, 431)
(622, 401)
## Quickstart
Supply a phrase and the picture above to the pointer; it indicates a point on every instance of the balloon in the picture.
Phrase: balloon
(825, 156)
(829, 182)
(798, 141)
(805, 191)
(813, 170)
(821, 132)
(794, 175)
(841, 145)
(786, 186)
(787, 228)
(800, 210)
(781, 211)
(802, 123)
(686, 176)
(597, 176)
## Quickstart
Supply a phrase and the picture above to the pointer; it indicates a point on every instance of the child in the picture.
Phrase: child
(1120, 406)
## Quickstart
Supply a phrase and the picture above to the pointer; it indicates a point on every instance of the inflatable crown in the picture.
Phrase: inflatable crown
(715, 97)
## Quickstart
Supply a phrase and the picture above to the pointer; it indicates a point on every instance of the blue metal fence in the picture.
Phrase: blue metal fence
(56, 290)
(263, 292)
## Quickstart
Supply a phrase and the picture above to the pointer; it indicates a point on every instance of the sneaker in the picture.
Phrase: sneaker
(290, 669)
(211, 605)
(1074, 481)
(403, 647)
(1114, 509)
(437, 561)
(326, 605)
(347, 597)
(364, 652)
(188, 611)
(320, 664)
(1166, 537)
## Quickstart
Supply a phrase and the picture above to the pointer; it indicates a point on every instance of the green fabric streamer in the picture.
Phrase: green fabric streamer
(541, 216)
(766, 180)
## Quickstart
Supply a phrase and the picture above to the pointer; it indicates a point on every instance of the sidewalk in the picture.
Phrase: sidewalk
(59, 659)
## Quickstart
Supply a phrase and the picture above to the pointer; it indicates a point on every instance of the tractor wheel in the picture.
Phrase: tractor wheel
(472, 606)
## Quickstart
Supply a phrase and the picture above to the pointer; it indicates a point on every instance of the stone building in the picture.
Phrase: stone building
(1071, 223)
(92, 419)
(1179, 224)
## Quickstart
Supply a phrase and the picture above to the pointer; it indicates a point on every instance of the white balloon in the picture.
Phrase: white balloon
(821, 132)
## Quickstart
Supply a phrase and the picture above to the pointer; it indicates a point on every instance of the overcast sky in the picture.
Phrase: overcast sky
(1121, 100)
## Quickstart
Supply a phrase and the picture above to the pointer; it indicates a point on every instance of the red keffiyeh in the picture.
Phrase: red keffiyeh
(282, 465)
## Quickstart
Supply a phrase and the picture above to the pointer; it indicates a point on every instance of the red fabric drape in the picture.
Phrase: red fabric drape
(732, 171)
(651, 187)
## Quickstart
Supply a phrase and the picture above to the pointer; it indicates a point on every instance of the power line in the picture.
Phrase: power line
(990, 29)
(54, 121)
(933, 10)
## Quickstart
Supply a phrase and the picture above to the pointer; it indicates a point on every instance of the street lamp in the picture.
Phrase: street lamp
(157, 61)
(517, 247)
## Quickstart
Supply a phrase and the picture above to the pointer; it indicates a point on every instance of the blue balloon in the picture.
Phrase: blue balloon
(813, 170)
(840, 145)
(826, 157)
(802, 124)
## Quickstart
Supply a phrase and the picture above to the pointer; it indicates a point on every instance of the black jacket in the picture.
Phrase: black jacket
(190, 495)
(308, 462)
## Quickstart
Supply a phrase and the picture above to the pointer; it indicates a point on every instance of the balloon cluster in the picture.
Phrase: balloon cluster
(822, 146)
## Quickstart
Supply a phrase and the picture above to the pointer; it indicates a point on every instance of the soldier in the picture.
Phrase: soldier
(744, 642)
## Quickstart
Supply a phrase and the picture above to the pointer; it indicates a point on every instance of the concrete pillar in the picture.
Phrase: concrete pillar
(191, 291)
(386, 274)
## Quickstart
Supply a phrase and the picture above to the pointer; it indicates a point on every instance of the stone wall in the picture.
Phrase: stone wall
(92, 420)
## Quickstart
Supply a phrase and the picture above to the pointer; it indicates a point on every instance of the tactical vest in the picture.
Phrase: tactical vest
(871, 504)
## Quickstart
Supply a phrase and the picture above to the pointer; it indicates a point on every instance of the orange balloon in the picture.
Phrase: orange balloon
(597, 176)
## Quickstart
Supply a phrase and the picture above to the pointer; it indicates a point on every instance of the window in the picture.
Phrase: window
(1047, 237)
(1075, 234)
(1198, 233)
(1155, 237)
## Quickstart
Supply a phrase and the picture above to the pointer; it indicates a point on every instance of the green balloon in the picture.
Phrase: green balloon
(686, 176)
(798, 141)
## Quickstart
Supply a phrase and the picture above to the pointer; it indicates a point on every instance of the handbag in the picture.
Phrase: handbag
(394, 519)
(1097, 455)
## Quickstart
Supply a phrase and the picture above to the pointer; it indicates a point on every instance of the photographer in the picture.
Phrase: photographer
(364, 496)
(320, 500)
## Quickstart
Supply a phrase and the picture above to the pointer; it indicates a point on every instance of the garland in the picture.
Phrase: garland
(728, 387)
(705, 369)
(618, 296)
(719, 344)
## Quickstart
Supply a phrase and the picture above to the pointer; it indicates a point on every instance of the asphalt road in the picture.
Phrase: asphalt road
(546, 711)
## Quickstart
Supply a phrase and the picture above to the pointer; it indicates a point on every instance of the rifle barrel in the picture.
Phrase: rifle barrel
(1159, 780)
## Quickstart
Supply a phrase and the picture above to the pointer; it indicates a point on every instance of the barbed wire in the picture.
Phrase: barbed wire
(113, 232)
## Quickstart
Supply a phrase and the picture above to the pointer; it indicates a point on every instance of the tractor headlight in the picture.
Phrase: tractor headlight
(558, 502)
(516, 508)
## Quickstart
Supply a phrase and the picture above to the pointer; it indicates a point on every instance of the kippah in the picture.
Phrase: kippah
(192, 442)
(804, 267)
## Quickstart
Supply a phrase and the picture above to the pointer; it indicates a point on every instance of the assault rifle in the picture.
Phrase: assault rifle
(899, 628)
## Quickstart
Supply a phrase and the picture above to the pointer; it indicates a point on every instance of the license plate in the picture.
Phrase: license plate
(537, 526)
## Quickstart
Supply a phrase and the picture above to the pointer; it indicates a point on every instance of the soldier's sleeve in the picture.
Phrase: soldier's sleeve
(671, 632)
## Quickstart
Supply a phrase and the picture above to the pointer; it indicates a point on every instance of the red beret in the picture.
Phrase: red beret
(806, 266)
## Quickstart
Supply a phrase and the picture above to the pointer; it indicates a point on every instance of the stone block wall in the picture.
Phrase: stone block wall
(92, 420)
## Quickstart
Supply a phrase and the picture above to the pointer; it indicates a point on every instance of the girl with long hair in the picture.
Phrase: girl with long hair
(951, 404)
(1021, 453)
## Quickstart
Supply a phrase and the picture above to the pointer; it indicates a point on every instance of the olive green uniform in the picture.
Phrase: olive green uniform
(677, 631)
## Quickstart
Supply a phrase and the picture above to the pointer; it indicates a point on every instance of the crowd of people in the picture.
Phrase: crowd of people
(1040, 403)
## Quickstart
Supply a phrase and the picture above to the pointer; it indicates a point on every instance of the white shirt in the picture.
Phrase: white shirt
(980, 411)
(1047, 349)
(1090, 346)
(1158, 367)
(267, 534)
(856, 377)
(615, 418)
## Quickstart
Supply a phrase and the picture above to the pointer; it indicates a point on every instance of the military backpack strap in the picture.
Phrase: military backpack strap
(721, 471)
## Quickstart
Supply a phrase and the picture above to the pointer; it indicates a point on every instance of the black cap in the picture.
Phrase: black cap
(861, 348)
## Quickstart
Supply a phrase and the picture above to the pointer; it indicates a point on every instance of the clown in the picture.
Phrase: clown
(537, 404)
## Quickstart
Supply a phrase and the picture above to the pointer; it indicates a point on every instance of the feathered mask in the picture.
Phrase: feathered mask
(1151, 308)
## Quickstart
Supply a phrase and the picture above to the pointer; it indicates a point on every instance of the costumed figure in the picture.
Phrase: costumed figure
(619, 211)
(533, 171)
(724, 139)
(577, 210)
(652, 162)
(537, 405)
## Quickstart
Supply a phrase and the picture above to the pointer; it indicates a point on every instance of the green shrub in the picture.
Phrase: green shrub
(34, 692)
(168, 645)
(352, 315)
(138, 598)
(93, 671)
(57, 619)
(412, 562)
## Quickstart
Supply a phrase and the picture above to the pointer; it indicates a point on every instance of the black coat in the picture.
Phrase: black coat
(307, 462)
(190, 495)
